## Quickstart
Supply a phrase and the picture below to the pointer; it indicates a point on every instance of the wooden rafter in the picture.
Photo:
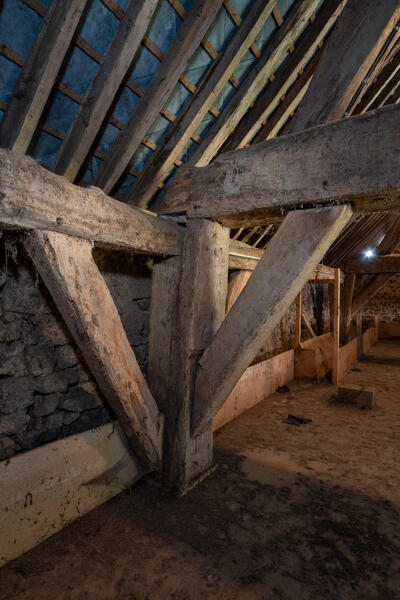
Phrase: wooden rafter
(39, 74)
(179, 134)
(103, 88)
(389, 263)
(248, 186)
(172, 66)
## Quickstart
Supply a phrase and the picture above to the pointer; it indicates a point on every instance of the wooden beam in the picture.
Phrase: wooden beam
(172, 66)
(33, 198)
(68, 270)
(237, 282)
(351, 50)
(385, 76)
(179, 134)
(379, 264)
(308, 325)
(255, 81)
(290, 258)
(247, 128)
(249, 186)
(297, 339)
(39, 74)
(336, 329)
(188, 307)
(348, 292)
(103, 87)
(371, 289)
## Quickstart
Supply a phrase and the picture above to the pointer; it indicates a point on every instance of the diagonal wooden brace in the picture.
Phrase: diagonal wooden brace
(66, 266)
(288, 262)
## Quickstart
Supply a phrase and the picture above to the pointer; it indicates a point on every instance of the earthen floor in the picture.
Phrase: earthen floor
(295, 513)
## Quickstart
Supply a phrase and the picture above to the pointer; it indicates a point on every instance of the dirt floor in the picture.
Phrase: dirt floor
(295, 513)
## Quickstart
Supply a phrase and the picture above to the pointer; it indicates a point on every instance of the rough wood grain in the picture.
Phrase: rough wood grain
(187, 40)
(288, 262)
(328, 163)
(33, 198)
(67, 268)
(103, 87)
(174, 142)
(254, 82)
(356, 40)
(188, 306)
(39, 74)
(379, 264)
(237, 282)
(248, 126)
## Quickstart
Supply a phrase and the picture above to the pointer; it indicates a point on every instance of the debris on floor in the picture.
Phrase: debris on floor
(295, 420)
(361, 396)
(283, 389)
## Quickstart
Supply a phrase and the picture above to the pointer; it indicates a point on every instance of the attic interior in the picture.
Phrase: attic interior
(199, 299)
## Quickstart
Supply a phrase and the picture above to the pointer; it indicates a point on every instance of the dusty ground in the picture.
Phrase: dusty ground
(294, 513)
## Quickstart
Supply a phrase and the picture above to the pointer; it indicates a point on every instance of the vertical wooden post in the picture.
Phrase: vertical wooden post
(188, 306)
(297, 343)
(348, 293)
(360, 348)
(336, 327)
(376, 329)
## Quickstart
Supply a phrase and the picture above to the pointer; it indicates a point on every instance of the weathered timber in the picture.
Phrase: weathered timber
(379, 264)
(188, 307)
(356, 40)
(336, 329)
(68, 270)
(39, 74)
(348, 292)
(248, 126)
(33, 198)
(237, 281)
(290, 258)
(174, 142)
(361, 396)
(172, 66)
(369, 291)
(249, 186)
(103, 87)
(254, 82)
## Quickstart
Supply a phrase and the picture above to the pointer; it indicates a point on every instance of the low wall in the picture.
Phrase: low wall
(349, 353)
(258, 382)
(314, 358)
(389, 330)
(43, 490)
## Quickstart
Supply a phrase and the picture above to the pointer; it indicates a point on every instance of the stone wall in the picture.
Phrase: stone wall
(386, 303)
(46, 390)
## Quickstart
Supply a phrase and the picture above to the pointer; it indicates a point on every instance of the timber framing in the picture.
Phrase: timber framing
(252, 185)
(380, 264)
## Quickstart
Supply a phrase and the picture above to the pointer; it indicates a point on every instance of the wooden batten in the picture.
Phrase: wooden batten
(287, 264)
(68, 270)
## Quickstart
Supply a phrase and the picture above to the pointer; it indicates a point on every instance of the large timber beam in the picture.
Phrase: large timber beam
(356, 41)
(156, 95)
(379, 264)
(266, 101)
(325, 164)
(287, 264)
(33, 198)
(181, 131)
(369, 291)
(67, 268)
(39, 74)
(103, 87)
(272, 56)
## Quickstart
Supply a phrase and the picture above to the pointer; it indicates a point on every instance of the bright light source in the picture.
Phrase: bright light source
(368, 253)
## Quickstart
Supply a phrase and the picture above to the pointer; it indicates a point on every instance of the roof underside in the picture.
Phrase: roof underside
(20, 22)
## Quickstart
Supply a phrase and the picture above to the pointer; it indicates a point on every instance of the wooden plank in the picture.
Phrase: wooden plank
(308, 325)
(356, 41)
(336, 329)
(179, 134)
(290, 258)
(248, 126)
(389, 263)
(69, 272)
(103, 88)
(297, 339)
(188, 306)
(157, 93)
(254, 82)
(33, 198)
(348, 292)
(39, 74)
(249, 186)
(237, 282)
